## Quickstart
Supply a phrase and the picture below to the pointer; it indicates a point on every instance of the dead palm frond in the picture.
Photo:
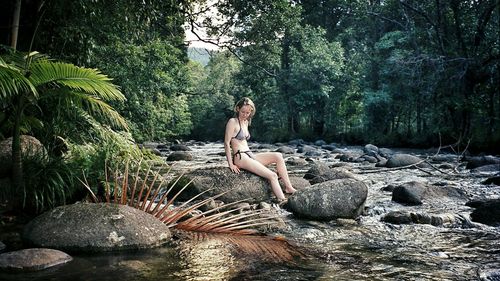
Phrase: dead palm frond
(145, 190)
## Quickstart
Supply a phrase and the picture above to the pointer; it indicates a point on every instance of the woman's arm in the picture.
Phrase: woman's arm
(230, 126)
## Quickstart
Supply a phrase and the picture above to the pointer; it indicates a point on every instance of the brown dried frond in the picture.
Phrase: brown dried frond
(126, 191)
(229, 224)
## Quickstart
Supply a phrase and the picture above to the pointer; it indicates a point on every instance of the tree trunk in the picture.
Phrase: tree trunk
(17, 165)
(15, 24)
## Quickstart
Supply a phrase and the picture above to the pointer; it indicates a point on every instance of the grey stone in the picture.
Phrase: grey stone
(286, 150)
(30, 147)
(216, 180)
(179, 156)
(340, 198)
(88, 227)
(402, 160)
(320, 172)
(32, 259)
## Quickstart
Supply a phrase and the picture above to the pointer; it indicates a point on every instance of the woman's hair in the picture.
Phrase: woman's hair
(242, 102)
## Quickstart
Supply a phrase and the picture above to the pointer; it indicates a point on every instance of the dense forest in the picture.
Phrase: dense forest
(392, 73)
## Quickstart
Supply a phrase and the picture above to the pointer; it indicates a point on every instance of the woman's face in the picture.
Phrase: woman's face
(245, 112)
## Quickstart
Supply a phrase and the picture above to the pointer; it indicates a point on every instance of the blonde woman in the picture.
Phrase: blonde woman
(239, 155)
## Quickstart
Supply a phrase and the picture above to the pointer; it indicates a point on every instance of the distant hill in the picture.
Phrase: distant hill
(200, 55)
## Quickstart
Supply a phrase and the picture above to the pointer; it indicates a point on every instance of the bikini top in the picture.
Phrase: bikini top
(241, 134)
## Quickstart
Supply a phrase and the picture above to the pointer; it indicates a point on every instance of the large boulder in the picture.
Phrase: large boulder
(88, 227)
(340, 198)
(216, 180)
(414, 193)
(486, 211)
(30, 147)
(32, 259)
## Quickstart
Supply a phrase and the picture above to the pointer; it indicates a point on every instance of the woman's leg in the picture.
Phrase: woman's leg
(267, 158)
(257, 168)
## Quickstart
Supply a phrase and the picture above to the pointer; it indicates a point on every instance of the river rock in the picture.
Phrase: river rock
(486, 211)
(370, 148)
(216, 180)
(30, 146)
(329, 147)
(180, 147)
(296, 162)
(349, 157)
(493, 180)
(320, 172)
(385, 152)
(32, 259)
(478, 161)
(401, 160)
(306, 148)
(340, 198)
(297, 182)
(179, 156)
(286, 150)
(487, 169)
(413, 193)
(88, 227)
(401, 217)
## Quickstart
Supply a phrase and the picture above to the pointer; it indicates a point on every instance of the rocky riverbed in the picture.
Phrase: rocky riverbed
(415, 225)
(435, 240)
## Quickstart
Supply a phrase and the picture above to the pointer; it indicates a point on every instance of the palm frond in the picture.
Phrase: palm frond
(13, 82)
(228, 224)
(85, 80)
(97, 106)
(148, 195)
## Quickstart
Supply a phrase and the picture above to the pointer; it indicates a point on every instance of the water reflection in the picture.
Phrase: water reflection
(209, 259)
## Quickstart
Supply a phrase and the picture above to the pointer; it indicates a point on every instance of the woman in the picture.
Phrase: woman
(236, 138)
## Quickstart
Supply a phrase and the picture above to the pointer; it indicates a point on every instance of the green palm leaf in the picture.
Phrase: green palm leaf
(99, 107)
(13, 82)
(85, 80)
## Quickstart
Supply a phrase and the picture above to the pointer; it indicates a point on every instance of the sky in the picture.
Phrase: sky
(192, 39)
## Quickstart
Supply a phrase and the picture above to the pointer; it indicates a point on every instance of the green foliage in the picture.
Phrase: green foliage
(109, 150)
(49, 182)
(140, 44)
(154, 80)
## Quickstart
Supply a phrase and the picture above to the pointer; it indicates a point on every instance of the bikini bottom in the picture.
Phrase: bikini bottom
(248, 152)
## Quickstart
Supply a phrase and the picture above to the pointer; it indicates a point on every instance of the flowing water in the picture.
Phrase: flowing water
(365, 249)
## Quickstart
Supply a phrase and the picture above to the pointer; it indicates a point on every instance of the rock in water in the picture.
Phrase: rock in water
(339, 198)
(88, 227)
(32, 259)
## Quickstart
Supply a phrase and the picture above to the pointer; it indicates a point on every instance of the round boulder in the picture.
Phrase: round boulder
(32, 259)
(30, 147)
(216, 180)
(89, 227)
(340, 198)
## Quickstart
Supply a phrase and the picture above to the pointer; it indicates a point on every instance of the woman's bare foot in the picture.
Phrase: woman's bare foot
(290, 190)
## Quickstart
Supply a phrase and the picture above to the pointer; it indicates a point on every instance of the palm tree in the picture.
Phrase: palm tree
(27, 77)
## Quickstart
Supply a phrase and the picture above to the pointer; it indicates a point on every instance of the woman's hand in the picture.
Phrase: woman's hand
(234, 168)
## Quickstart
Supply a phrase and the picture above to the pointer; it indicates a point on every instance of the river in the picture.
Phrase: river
(365, 249)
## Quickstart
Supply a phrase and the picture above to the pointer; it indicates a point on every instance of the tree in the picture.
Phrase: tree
(25, 79)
